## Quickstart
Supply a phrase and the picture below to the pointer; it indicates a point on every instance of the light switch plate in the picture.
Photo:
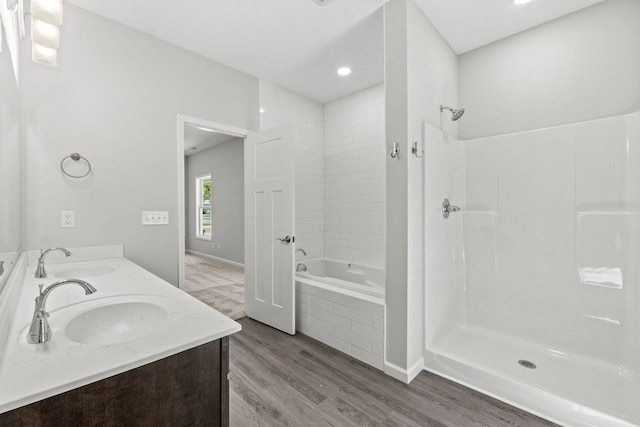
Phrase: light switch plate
(155, 217)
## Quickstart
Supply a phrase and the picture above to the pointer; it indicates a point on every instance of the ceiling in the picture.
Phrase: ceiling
(469, 24)
(299, 45)
(198, 139)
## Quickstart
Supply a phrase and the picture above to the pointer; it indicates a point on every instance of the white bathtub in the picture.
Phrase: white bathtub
(343, 275)
(342, 305)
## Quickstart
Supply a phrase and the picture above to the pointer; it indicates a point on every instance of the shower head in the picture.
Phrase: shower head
(455, 114)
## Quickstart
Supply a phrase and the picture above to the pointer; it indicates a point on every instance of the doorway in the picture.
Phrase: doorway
(211, 213)
(267, 218)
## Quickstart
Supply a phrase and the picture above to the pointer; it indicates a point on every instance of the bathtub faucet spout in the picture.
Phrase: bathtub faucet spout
(301, 267)
(301, 250)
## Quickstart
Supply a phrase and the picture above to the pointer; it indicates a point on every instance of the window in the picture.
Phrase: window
(203, 207)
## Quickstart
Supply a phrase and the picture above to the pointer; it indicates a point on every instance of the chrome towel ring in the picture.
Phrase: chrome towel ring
(75, 157)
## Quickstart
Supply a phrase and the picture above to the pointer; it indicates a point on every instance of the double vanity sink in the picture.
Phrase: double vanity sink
(133, 319)
(116, 320)
(110, 320)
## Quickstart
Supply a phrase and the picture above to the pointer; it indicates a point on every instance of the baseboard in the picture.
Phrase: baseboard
(215, 258)
(401, 374)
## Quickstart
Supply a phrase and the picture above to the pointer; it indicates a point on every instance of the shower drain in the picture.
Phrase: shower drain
(527, 364)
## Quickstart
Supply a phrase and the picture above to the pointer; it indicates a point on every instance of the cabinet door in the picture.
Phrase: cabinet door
(188, 388)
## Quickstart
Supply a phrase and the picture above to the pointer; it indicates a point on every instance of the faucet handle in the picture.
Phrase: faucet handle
(40, 288)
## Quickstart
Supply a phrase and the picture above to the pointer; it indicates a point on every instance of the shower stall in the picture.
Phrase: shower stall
(532, 288)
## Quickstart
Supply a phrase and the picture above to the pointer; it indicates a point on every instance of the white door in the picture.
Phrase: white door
(269, 231)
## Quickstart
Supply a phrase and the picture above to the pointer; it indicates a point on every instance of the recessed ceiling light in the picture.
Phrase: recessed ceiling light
(344, 71)
(262, 110)
(519, 2)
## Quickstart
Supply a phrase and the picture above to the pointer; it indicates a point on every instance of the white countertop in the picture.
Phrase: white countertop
(31, 372)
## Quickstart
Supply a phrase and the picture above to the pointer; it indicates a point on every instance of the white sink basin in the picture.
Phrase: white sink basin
(116, 323)
(82, 272)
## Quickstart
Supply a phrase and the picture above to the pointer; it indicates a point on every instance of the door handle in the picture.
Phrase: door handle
(286, 239)
(448, 208)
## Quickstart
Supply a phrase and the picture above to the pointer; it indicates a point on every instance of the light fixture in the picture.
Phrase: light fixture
(44, 55)
(45, 34)
(262, 110)
(519, 2)
(49, 11)
(46, 18)
(344, 71)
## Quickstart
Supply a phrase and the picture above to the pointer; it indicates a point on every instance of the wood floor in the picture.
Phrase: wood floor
(216, 283)
(282, 380)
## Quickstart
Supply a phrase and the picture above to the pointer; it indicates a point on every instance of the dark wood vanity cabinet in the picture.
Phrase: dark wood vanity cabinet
(190, 388)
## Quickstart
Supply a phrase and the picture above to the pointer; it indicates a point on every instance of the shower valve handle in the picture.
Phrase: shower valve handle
(286, 239)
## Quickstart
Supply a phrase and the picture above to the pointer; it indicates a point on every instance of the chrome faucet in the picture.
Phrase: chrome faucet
(300, 266)
(41, 273)
(40, 331)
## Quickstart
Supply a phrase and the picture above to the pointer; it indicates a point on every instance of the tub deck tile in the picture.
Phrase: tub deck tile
(355, 315)
(365, 331)
(367, 306)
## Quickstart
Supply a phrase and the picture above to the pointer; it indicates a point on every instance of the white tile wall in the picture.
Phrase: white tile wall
(352, 325)
(354, 176)
(340, 208)
(340, 171)
(282, 107)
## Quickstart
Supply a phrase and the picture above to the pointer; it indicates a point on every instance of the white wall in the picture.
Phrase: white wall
(282, 107)
(432, 80)
(354, 178)
(580, 67)
(421, 74)
(114, 98)
(225, 163)
(396, 294)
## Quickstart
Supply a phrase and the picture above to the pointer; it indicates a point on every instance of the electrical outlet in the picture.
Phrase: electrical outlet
(67, 219)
